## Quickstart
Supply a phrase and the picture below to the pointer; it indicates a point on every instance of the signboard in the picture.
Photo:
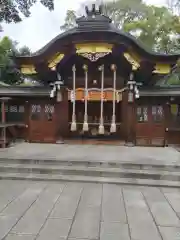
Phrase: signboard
(94, 95)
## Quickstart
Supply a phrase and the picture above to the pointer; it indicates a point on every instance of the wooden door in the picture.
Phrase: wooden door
(150, 125)
(42, 122)
(157, 122)
(49, 126)
(35, 122)
(142, 125)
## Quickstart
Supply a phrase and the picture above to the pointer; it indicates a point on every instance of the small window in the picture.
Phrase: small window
(142, 114)
(15, 113)
(35, 112)
(49, 111)
(157, 113)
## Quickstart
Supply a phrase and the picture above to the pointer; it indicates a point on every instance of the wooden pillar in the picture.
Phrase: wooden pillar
(3, 121)
(27, 115)
(124, 106)
(62, 116)
(166, 121)
(130, 117)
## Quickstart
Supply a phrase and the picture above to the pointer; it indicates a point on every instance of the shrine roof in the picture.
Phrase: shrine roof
(91, 24)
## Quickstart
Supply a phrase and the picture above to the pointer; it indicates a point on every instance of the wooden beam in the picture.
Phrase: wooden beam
(3, 120)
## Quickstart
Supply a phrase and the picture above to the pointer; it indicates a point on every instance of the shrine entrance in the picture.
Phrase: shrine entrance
(95, 81)
(94, 108)
(94, 121)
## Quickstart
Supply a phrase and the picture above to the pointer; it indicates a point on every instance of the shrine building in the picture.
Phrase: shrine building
(94, 82)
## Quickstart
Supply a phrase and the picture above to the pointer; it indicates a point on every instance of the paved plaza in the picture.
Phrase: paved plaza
(82, 211)
(108, 153)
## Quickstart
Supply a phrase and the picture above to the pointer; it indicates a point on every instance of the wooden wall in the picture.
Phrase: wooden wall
(141, 133)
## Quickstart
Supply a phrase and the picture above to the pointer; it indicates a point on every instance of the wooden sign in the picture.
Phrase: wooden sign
(94, 95)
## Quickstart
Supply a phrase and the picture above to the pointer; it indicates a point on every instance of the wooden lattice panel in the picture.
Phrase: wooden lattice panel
(35, 108)
(49, 108)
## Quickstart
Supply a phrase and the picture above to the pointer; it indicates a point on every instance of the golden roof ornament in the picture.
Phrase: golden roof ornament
(178, 63)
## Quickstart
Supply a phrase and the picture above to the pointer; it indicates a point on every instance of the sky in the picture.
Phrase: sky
(42, 26)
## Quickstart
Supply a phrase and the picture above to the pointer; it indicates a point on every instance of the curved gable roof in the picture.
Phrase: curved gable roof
(96, 22)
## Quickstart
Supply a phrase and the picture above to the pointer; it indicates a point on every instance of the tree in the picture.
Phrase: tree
(11, 10)
(157, 27)
(23, 51)
(119, 11)
(174, 6)
(8, 71)
(70, 20)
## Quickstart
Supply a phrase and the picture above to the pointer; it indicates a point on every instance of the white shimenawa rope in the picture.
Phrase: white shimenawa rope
(101, 126)
(73, 124)
(113, 123)
(85, 124)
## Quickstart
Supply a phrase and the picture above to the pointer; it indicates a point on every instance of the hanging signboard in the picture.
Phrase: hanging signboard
(94, 95)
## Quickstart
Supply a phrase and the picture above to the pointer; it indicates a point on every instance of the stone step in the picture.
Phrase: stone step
(90, 171)
(72, 178)
(114, 164)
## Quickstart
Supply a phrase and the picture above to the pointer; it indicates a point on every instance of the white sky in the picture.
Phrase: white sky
(43, 25)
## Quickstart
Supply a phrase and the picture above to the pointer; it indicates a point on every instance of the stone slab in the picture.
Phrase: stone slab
(20, 237)
(68, 202)
(87, 218)
(55, 229)
(6, 224)
(140, 221)
(21, 204)
(174, 199)
(35, 218)
(113, 207)
(170, 233)
(114, 231)
(9, 192)
(161, 210)
(91, 196)
(86, 223)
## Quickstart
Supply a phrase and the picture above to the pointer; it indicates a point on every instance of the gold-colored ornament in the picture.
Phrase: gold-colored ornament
(113, 67)
(85, 67)
(178, 62)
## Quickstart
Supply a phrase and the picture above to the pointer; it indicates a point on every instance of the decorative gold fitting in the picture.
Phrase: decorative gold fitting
(101, 68)
(85, 67)
(178, 62)
(113, 67)
(73, 68)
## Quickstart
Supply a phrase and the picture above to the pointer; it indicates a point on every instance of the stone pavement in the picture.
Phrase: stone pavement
(65, 152)
(83, 211)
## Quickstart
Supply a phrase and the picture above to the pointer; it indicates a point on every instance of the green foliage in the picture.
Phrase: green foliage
(70, 20)
(12, 10)
(156, 27)
(8, 71)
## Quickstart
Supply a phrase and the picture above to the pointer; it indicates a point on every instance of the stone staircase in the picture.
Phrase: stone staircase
(91, 171)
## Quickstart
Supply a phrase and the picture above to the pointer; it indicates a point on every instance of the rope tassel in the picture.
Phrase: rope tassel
(73, 98)
(101, 126)
(85, 124)
(113, 123)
